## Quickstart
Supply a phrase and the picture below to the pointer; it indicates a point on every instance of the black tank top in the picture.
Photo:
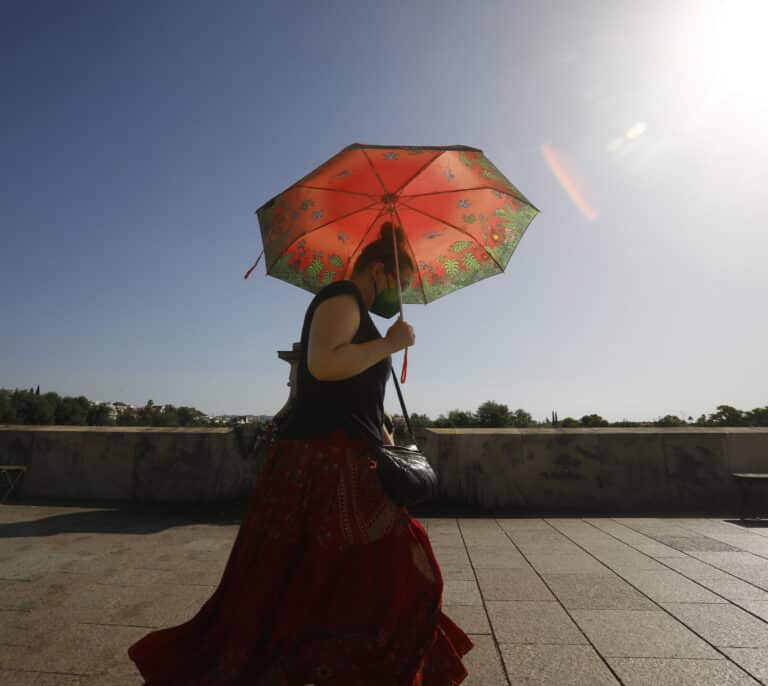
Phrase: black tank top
(356, 404)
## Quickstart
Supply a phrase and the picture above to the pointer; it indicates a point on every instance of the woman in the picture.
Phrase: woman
(329, 582)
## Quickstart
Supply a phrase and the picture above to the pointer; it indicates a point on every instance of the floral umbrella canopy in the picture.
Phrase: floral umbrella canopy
(461, 216)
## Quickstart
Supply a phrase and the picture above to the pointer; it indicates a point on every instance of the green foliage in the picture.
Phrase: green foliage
(758, 416)
(491, 414)
(32, 407)
(460, 246)
(521, 419)
(470, 261)
(593, 420)
(727, 416)
(419, 421)
(315, 268)
(670, 420)
(451, 267)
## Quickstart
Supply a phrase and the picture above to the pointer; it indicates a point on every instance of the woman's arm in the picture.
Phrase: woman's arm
(388, 439)
(331, 355)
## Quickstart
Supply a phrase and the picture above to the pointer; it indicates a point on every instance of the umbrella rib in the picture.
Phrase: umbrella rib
(442, 221)
(337, 190)
(322, 226)
(361, 241)
(465, 190)
(415, 262)
(403, 185)
(374, 170)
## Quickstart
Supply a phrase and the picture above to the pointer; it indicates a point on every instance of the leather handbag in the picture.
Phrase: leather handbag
(404, 471)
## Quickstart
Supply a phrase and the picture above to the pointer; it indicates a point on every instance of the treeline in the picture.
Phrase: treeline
(32, 407)
(496, 415)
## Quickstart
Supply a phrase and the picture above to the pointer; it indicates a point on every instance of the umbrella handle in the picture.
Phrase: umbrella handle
(405, 367)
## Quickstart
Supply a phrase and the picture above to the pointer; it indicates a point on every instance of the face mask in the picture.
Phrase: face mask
(387, 303)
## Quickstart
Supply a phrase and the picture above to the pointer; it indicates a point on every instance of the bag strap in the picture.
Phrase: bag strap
(402, 404)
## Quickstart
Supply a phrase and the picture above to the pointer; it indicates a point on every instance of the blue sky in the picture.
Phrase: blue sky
(139, 138)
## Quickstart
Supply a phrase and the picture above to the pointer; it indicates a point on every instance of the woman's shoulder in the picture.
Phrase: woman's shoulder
(335, 288)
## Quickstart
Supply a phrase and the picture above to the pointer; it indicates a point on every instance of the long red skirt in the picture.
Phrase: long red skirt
(329, 582)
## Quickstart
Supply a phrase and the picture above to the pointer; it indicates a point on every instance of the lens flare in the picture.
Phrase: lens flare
(564, 172)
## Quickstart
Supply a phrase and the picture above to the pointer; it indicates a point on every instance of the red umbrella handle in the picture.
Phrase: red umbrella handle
(405, 367)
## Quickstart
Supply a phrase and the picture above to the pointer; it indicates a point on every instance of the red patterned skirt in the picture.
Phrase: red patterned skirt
(328, 582)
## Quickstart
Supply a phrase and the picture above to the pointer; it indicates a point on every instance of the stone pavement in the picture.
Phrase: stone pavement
(556, 601)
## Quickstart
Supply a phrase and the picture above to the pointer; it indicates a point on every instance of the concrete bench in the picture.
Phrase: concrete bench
(11, 473)
(745, 482)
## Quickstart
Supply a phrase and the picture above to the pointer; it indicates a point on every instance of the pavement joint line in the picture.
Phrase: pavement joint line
(724, 571)
(560, 602)
(699, 533)
(485, 607)
(664, 609)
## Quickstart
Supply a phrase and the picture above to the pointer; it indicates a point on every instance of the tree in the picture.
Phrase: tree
(70, 411)
(758, 416)
(34, 409)
(521, 419)
(419, 420)
(7, 408)
(189, 416)
(462, 419)
(128, 417)
(727, 416)
(491, 414)
(669, 420)
(100, 415)
(593, 420)
(570, 423)
(37, 390)
(149, 415)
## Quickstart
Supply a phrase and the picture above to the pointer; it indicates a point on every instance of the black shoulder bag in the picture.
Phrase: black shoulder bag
(405, 474)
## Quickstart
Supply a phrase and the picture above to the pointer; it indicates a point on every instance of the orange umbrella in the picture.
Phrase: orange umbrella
(461, 217)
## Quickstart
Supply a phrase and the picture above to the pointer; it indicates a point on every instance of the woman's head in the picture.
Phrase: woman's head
(378, 257)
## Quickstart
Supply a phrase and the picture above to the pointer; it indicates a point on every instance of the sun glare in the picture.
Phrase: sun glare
(724, 44)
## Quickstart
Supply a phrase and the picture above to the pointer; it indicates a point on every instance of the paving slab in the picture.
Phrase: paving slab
(484, 664)
(753, 660)
(736, 590)
(461, 592)
(696, 570)
(640, 633)
(471, 618)
(759, 608)
(635, 671)
(565, 665)
(570, 563)
(596, 592)
(722, 625)
(512, 584)
(517, 621)
(670, 587)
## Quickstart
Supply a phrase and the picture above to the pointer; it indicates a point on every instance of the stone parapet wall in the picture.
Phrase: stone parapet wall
(514, 470)
(143, 464)
(596, 470)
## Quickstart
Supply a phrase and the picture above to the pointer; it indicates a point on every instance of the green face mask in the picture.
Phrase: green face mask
(387, 303)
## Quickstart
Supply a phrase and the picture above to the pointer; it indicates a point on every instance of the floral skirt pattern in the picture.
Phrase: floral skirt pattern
(329, 582)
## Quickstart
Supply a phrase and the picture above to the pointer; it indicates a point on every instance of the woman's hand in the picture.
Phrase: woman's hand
(400, 335)
(388, 440)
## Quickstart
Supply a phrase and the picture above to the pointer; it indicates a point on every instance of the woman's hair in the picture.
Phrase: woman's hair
(382, 250)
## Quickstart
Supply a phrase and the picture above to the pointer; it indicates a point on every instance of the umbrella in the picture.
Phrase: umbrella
(462, 218)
